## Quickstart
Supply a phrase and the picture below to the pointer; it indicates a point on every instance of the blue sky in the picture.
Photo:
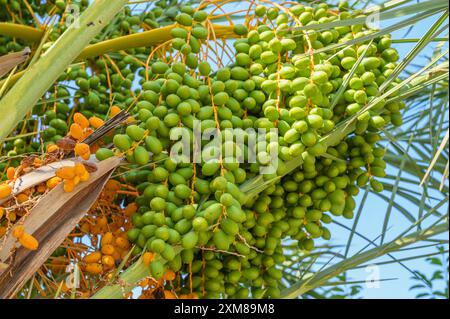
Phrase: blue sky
(373, 213)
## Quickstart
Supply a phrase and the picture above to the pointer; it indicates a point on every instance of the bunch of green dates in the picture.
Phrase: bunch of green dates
(194, 214)
(202, 218)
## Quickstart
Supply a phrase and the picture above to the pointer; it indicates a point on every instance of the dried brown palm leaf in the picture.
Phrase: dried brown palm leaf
(50, 221)
(36, 177)
(10, 61)
(107, 127)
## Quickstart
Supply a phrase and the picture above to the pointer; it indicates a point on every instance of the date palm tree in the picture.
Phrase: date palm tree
(415, 188)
